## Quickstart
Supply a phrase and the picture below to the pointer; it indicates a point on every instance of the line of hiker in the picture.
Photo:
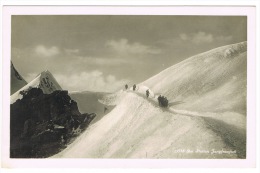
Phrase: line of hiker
(134, 87)
(162, 100)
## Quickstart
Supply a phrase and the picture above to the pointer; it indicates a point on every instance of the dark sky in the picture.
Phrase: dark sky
(102, 53)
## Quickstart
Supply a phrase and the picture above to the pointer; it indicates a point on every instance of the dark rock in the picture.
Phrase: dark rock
(42, 124)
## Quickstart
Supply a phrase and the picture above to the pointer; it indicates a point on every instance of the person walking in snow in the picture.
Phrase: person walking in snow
(126, 86)
(134, 87)
(163, 101)
(160, 100)
(147, 93)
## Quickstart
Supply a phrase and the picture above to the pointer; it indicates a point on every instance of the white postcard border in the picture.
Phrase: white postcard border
(131, 163)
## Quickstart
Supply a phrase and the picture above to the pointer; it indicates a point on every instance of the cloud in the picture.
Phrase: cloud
(71, 51)
(101, 61)
(197, 38)
(224, 38)
(30, 76)
(46, 52)
(123, 46)
(76, 56)
(184, 36)
(202, 37)
(90, 81)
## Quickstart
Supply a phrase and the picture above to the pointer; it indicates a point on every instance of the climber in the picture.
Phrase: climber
(160, 100)
(163, 101)
(147, 93)
(126, 86)
(134, 87)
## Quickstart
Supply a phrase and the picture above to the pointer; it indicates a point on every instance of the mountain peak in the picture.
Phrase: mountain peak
(45, 81)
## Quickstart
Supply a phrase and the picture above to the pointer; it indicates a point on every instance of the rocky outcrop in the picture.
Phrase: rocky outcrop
(17, 80)
(43, 124)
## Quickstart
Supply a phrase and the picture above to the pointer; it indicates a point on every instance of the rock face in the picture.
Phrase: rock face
(42, 124)
(17, 80)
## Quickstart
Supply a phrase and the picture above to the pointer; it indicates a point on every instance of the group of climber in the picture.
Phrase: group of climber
(163, 101)
(134, 88)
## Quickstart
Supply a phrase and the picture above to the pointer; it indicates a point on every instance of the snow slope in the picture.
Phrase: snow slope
(211, 81)
(17, 80)
(136, 128)
(207, 113)
(44, 80)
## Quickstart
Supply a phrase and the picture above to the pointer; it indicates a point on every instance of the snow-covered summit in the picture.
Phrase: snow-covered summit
(44, 80)
(213, 80)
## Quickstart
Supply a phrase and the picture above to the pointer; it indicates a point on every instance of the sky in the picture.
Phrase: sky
(103, 53)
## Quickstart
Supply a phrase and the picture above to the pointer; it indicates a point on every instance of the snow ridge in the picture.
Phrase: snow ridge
(195, 80)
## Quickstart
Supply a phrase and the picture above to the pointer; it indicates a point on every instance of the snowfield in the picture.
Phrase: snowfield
(137, 128)
(206, 117)
(206, 82)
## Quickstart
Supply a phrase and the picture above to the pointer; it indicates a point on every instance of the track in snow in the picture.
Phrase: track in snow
(234, 136)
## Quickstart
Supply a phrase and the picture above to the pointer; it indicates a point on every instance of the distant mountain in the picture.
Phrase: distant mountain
(90, 102)
(17, 80)
(44, 81)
